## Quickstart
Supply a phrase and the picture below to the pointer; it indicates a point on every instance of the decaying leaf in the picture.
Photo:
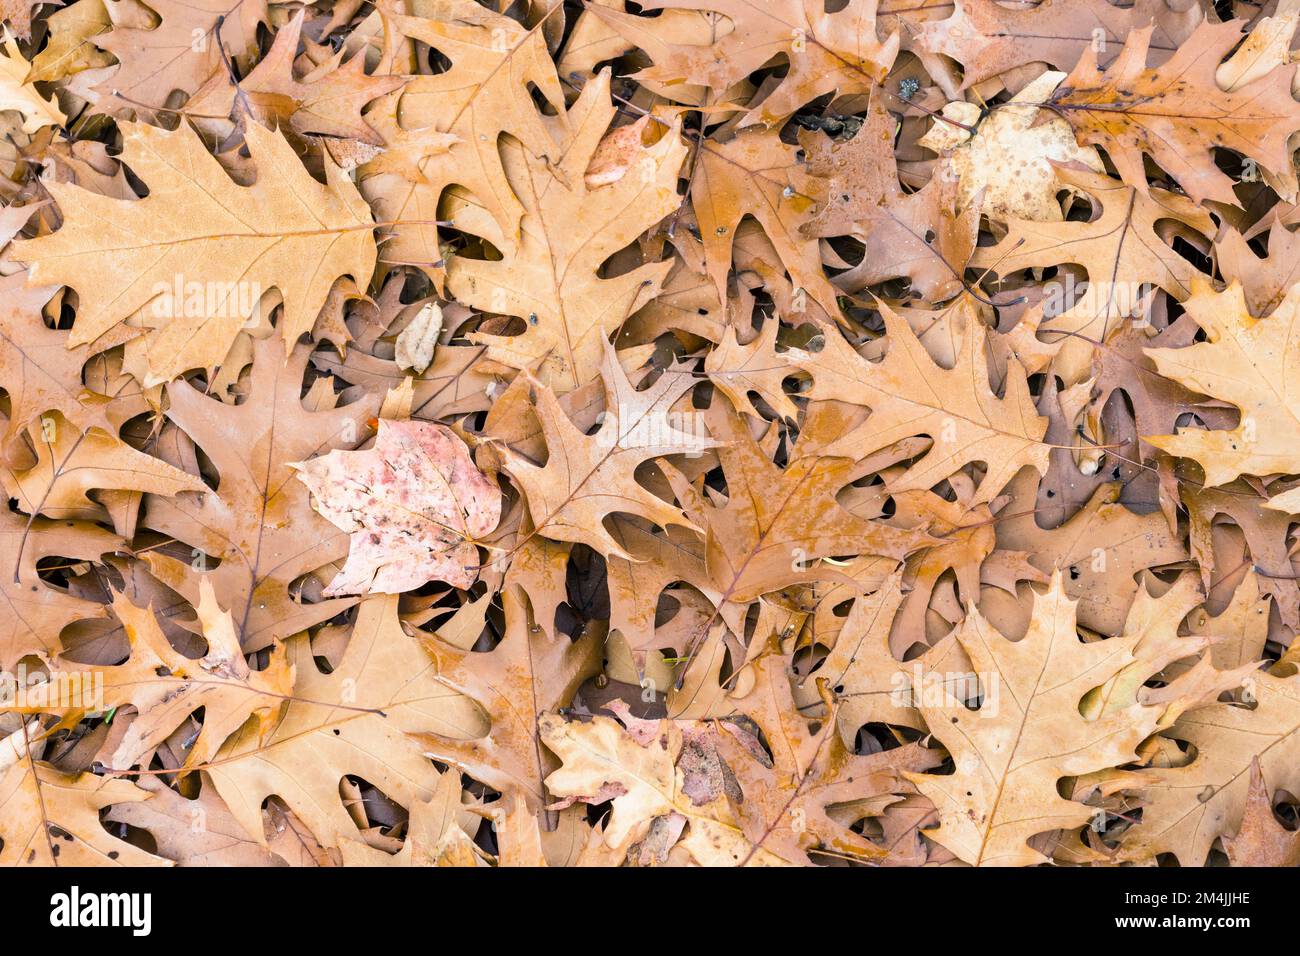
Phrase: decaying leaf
(414, 504)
